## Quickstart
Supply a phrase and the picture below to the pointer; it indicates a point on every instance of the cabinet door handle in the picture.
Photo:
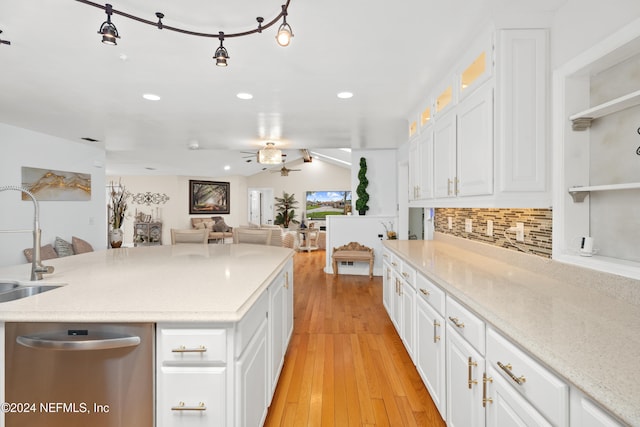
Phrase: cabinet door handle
(470, 380)
(406, 275)
(507, 368)
(183, 349)
(394, 264)
(448, 187)
(425, 292)
(457, 322)
(436, 337)
(456, 181)
(485, 399)
(182, 407)
(286, 280)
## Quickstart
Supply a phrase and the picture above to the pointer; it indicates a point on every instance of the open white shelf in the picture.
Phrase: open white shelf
(582, 120)
(579, 193)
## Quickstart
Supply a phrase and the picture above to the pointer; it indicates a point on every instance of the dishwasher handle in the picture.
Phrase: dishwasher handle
(78, 340)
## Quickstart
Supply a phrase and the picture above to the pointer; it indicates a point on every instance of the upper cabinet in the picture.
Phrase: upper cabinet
(488, 126)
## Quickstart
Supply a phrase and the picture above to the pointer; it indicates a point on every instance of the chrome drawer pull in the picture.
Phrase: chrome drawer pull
(507, 368)
(181, 407)
(436, 337)
(456, 322)
(425, 292)
(183, 349)
(471, 364)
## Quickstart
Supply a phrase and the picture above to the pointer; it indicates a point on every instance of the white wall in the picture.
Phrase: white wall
(315, 176)
(580, 24)
(86, 220)
(175, 212)
(343, 229)
(382, 174)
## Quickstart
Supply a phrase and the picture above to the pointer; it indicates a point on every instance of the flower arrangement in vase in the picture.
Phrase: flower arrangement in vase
(117, 210)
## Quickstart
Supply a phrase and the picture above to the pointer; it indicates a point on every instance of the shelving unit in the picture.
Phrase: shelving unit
(582, 120)
(579, 193)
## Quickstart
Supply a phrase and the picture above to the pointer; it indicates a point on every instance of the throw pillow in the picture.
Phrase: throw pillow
(220, 226)
(208, 224)
(224, 226)
(46, 252)
(80, 246)
(63, 248)
(199, 226)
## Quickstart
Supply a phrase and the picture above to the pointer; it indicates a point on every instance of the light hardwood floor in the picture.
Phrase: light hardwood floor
(346, 365)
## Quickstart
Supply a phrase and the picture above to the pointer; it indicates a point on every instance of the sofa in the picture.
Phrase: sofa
(218, 229)
(276, 232)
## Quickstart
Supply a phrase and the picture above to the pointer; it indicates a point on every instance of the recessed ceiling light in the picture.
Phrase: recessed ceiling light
(345, 95)
(151, 97)
(227, 167)
(244, 95)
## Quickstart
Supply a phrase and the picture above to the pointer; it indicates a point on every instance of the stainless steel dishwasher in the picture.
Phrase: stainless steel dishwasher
(78, 375)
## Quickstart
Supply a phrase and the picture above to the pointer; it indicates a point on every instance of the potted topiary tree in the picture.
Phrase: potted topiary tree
(285, 210)
(363, 196)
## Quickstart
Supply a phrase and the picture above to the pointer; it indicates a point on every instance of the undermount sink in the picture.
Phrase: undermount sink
(11, 291)
(8, 286)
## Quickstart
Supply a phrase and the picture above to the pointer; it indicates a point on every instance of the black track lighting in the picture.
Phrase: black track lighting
(221, 54)
(109, 31)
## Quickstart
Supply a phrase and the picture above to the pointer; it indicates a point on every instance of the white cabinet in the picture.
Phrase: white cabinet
(403, 302)
(280, 323)
(465, 367)
(585, 413)
(542, 389)
(421, 165)
(474, 172)
(465, 361)
(430, 351)
(506, 407)
(252, 380)
(490, 138)
(444, 156)
(225, 374)
(388, 283)
(192, 376)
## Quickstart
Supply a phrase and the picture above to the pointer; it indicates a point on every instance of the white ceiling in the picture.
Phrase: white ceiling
(57, 78)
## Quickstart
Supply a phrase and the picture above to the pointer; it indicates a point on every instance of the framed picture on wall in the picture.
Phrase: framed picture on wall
(208, 197)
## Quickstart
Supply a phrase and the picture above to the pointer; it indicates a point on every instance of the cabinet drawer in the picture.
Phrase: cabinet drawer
(466, 324)
(200, 346)
(386, 256)
(249, 324)
(431, 293)
(537, 384)
(408, 273)
(395, 263)
(192, 397)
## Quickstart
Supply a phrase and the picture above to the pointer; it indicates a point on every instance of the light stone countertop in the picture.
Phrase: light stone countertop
(180, 283)
(582, 324)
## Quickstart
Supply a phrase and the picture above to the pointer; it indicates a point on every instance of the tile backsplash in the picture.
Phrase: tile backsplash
(537, 227)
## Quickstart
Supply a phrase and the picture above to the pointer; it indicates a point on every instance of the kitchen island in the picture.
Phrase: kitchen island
(579, 324)
(239, 297)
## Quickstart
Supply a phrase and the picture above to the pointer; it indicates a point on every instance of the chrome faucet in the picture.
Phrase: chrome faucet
(37, 269)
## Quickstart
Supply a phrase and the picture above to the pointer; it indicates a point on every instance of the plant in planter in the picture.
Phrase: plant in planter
(363, 196)
(285, 210)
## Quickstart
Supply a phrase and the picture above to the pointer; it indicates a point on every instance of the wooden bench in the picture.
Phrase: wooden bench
(353, 252)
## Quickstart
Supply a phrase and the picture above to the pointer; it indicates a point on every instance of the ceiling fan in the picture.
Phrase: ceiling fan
(284, 170)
